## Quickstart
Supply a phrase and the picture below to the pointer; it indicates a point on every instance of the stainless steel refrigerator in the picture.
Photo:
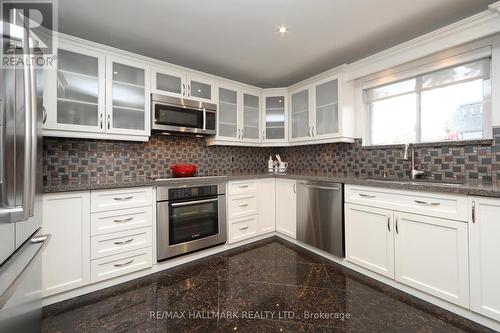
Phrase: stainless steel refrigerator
(21, 241)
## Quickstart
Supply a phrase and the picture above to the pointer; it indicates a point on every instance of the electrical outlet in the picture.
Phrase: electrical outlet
(232, 159)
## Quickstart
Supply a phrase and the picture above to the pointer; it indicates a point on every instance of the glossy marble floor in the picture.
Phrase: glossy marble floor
(269, 286)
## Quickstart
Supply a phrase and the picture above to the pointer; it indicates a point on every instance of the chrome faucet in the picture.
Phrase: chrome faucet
(414, 174)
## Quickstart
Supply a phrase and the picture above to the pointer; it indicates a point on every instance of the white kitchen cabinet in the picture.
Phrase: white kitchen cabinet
(74, 91)
(127, 97)
(286, 203)
(66, 260)
(301, 115)
(326, 116)
(250, 116)
(431, 255)
(228, 122)
(369, 238)
(168, 82)
(93, 94)
(177, 83)
(484, 241)
(266, 195)
(275, 120)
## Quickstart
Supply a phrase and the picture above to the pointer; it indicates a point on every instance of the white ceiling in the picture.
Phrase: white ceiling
(238, 39)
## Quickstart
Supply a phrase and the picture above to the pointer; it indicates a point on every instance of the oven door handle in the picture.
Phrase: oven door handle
(190, 203)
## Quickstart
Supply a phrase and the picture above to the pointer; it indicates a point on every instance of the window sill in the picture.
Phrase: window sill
(477, 142)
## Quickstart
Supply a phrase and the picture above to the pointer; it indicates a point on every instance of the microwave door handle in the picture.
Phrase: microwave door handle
(190, 203)
(204, 119)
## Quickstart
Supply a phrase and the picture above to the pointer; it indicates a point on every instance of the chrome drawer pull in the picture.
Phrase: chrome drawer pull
(124, 198)
(124, 264)
(124, 220)
(244, 228)
(367, 196)
(195, 235)
(244, 205)
(427, 203)
(124, 242)
(243, 186)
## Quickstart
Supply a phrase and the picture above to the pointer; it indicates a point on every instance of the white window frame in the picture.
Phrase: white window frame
(450, 58)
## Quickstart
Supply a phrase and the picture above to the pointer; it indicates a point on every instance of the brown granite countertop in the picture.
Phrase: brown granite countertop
(477, 189)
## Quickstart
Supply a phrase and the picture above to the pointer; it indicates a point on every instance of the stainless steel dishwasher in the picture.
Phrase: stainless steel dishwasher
(320, 215)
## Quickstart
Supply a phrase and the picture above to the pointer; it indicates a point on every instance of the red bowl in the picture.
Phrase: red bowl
(183, 170)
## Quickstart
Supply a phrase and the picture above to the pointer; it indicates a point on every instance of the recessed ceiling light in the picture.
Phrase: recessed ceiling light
(282, 29)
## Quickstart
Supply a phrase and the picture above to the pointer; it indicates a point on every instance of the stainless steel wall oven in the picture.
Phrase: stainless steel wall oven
(190, 218)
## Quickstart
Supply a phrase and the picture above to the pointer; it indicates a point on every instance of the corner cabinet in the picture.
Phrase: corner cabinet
(275, 119)
(484, 236)
(92, 94)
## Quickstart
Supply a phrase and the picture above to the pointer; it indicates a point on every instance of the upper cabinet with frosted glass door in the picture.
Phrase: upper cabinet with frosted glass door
(301, 118)
(239, 115)
(74, 92)
(180, 84)
(127, 97)
(326, 115)
(275, 120)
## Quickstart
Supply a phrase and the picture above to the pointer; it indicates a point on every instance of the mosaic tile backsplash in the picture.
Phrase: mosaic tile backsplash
(70, 161)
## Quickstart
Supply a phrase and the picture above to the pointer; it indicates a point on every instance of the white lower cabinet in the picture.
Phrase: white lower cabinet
(66, 260)
(425, 252)
(484, 243)
(120, 264)
(286, 207)
(251, 208)
(431, 255)
(369, 238)
(266, 196)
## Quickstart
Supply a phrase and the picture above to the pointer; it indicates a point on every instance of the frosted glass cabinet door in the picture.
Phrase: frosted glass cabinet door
(128, 111)
(300, 114)
(77, 85)
(275, 118)
(169, 82)
(251, 112)
(228, 113)
(327, 108)
(200, 89)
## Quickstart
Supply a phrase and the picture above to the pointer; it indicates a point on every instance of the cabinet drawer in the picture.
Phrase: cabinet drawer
(242, 206)
(121, 220)
(243, 228)
(121, 198)
(120, 264)
(438, 205)
(119, 242)
(243, 187)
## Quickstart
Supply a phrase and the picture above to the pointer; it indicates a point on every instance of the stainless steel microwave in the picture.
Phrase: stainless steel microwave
(172, 114)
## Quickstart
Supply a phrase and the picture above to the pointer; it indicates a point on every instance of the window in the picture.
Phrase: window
(446, 105)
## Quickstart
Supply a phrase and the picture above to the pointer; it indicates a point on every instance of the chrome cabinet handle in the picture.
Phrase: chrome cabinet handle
(244, 205)
(109, 121)
(189, 90)
(473, 211)
(101, 121)
(124, 264)
(367, 196)
(263, 134)
(313, 130)
(244, 228)
(123, 198)
(427, 203)
(242, 133)
(124, 242)
(397, 227)
(389, 224)
(294, 188)
(124, 220)
(183, 89)
(44, 112)
(243, 186)
(195, 235)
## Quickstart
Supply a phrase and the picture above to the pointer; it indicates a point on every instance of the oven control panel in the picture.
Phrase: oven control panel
(192, 192)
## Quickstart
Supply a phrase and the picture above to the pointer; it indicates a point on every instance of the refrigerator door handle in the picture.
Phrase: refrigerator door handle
(11, 272)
